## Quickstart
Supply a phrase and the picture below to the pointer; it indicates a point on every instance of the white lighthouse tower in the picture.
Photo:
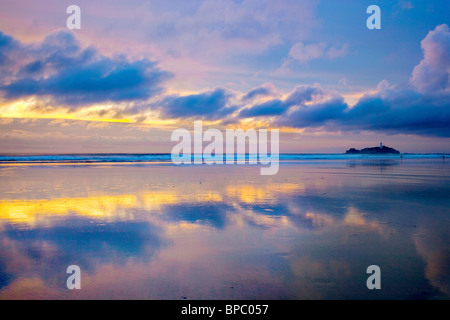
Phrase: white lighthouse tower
(381, 145)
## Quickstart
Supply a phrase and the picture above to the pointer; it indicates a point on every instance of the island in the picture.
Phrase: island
(374, 150)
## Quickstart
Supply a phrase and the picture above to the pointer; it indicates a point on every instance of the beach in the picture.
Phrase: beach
(153, 230)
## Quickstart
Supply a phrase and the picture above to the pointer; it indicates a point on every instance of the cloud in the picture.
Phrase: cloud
(399, 110)
(420, 106)
(303, 93)
(212, 214)
(6, 43)
(78, 241)
(304, 53)
(433, 72)
(300, 95)
(268, 108)
(335, 52)
(315, 115)
(405, 4)
(8, 54)
(229, 27)
(394, 110)
(262, 90)
(59, 68)
(211, 105)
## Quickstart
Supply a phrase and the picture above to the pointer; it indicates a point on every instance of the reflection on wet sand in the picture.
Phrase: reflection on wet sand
(163, 232)
(29, 211)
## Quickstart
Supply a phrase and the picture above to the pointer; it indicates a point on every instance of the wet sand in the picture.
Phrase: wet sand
(156, 231)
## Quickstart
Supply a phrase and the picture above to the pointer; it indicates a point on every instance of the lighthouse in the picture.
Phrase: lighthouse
(381, 145)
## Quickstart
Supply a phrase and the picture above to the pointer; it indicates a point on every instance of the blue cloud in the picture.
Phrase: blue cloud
(316, 115)
(211, 214)
(61, 69)
(400, 112)
(6, 43)
(259, 91)
(420, 106)
(300, 95)
(77, 240)
(269, 108)
(210, 105)
(396, 110)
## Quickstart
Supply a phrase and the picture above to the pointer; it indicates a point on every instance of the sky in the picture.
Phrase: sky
(137, 70)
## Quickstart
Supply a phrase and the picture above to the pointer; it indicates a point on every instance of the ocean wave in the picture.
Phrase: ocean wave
(166, 157)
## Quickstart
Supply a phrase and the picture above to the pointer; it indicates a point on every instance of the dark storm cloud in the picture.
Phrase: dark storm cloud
(59, 68)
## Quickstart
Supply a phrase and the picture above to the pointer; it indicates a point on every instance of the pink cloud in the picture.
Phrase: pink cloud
(307, 52)
(432, 73)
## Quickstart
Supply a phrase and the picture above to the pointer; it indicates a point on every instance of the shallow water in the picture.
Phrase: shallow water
(157, 231)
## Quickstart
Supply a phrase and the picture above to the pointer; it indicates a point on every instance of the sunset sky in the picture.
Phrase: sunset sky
(137, 70)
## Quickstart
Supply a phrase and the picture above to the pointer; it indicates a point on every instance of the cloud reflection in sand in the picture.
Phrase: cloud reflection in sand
(160, 232)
